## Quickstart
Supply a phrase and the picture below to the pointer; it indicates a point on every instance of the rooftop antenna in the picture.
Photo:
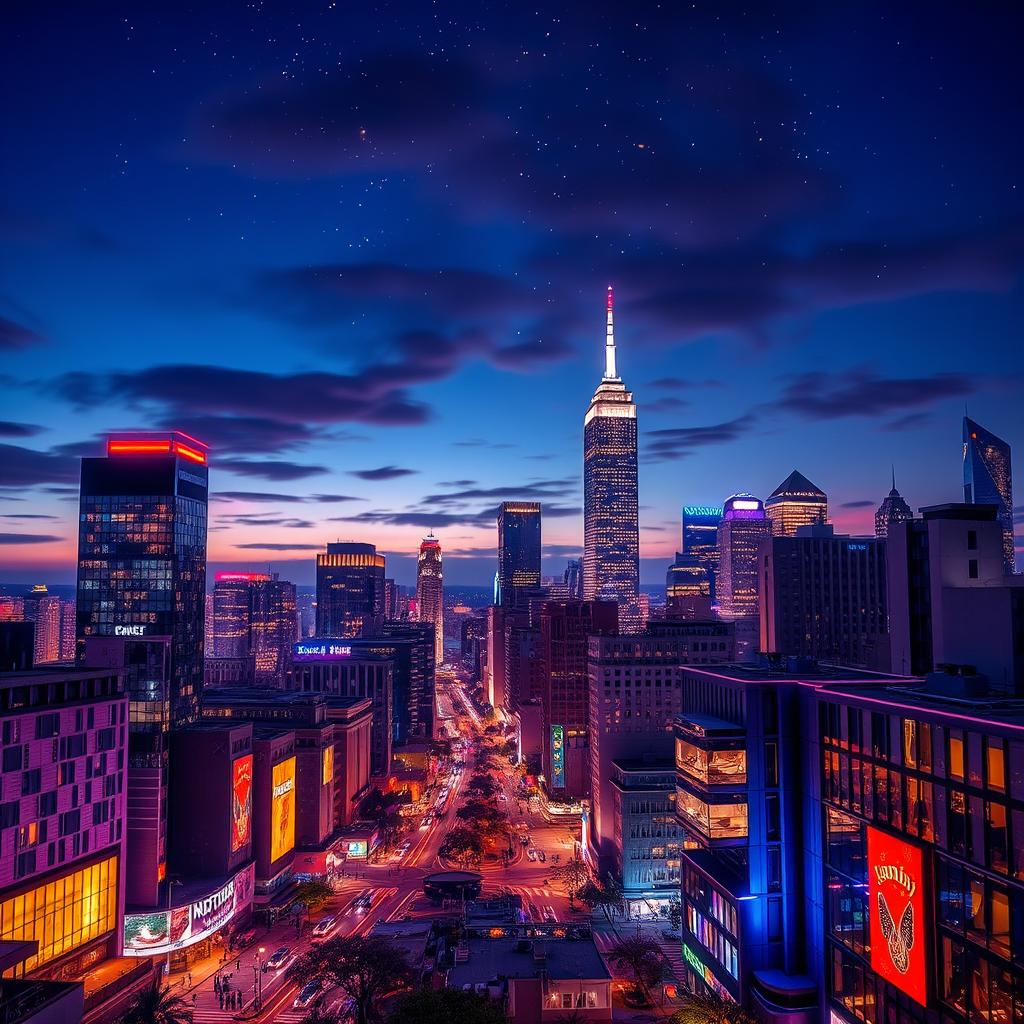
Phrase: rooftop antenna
(609, 343)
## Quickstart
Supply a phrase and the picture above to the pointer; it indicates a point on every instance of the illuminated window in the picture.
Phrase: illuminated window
(64, 914)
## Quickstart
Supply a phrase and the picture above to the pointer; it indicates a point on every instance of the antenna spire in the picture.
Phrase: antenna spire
(894, 476)
(609, 344)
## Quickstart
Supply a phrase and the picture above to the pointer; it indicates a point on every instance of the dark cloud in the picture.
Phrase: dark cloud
(908, 422)
(27, 515)
(538, 490)
(258, 520)
(280, 547)
(858, 504)
(24, 467)
(17, 336)
(679, 383)
(382, 473)
(268, 469)
(675, 443)
(255, 496)
(478, 442)
(485, 517)
(862, 392)
(331, 498)
(8, 428)
(244, 435)
(667, 403)
(27, 538)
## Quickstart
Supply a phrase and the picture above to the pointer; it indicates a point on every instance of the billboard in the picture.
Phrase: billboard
(241, 802)
(896, 898)
(158, 933)
(282, 809)
(558, 756)
(320, 650)
(328, 765)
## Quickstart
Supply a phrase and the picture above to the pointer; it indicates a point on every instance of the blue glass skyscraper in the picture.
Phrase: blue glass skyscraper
(988, 480)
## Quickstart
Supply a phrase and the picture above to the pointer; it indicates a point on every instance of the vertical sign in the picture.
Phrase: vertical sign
(896, 894)
(558, 756)
(328, 765)
(241, 802)
(282, 809)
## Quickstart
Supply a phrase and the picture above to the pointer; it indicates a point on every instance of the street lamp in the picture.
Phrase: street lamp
(259, 980)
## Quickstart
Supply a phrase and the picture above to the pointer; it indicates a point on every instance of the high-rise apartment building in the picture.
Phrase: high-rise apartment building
(611, 532)
(823, 597)
(67, 631)
(349, 590)
(688, 588)
(988, 480)
(275, 628)
(894, 509)
(48, 629)
(430, 591)
(519, 548)
(794, 503)
(700, 537)
(142, 551)
(744, 526)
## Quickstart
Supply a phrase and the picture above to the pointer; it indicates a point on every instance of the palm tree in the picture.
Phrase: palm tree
(711, 1009)
(156, 1004)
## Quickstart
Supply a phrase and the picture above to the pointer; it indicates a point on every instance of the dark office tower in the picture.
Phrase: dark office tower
(611, 531)
(233, 594)
(700, 536)
(349, 590)
(988, 481)
(744, 526)
(565, 629)
(688, 588)
(142, 552)
(275, 628)
(392, 592)
(795, 502)
(573, 577)
(823, 597)
(430, 591)
(518, 551)
(893, 509)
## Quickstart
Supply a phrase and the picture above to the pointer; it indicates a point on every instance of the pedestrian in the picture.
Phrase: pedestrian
(238, 964)
(221, 998)
(216, 984)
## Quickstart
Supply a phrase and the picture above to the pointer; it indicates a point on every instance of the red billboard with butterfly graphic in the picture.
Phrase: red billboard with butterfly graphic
(897, 905)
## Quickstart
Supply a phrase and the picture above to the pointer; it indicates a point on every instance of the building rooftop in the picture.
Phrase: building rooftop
(796, 670)
(797, 487)
(516, 958)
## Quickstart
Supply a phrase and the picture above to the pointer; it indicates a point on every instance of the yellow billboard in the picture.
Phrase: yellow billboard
(328, 765)
(282, 809)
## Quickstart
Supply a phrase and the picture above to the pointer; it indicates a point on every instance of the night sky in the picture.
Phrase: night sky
(362, 250)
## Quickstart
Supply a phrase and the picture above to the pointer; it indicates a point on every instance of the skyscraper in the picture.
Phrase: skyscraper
(47, 633)
(611, 531)
(700, 536)
(893, 509)
(275, 628)
(233, 594)
(518, 551)
(573, 577)
(795, 502)
(430, 591)
(743, 528)
(688, 588)
(988, 481)
(142, 551)
(349, 590)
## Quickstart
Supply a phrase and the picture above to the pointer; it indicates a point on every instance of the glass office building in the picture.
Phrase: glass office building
(142, 552)
(430, 591)
(794, 503)
(349, 590)
(518, 551)
(988, 481)
(611, 533)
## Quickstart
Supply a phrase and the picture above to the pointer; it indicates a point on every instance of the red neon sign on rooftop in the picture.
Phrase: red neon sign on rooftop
(174, 443)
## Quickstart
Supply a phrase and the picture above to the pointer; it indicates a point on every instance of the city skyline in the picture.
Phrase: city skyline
(373, 346)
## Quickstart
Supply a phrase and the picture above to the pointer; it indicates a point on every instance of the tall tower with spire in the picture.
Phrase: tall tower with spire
(611, 531)
(894, 509)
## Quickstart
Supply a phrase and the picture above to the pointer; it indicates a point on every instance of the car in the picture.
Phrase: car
(549, 916)
(307, 994)
(502, 798)
(323, 928)
(278, 958)
(542, 856)
(531, 854)
(364, 900)
(426, 822)
(525, 841)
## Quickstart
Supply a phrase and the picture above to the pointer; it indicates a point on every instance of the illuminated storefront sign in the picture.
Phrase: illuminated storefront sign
(159, 933)
(319, 651)
(241, 802)
(356, 848)
(282, 809)
(328, 765)
(691, 511)
(558, 757)
(896, 889)
(129, 631)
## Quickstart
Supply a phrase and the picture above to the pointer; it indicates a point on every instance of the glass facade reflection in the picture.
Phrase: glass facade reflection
(794, 503)
(988, 480)
(519, 548)
(349, 590)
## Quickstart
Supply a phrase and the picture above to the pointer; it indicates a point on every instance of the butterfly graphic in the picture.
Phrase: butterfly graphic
(900, 940)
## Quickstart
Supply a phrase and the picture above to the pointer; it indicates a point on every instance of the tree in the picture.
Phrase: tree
(462, 844)
(711, 1009)
(675, 915)
(313, 895)
(156, 1005)
(425, 1006)
(573, 874)
(594, 895)
(614, 893)
(642, 957)
(365, 968)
